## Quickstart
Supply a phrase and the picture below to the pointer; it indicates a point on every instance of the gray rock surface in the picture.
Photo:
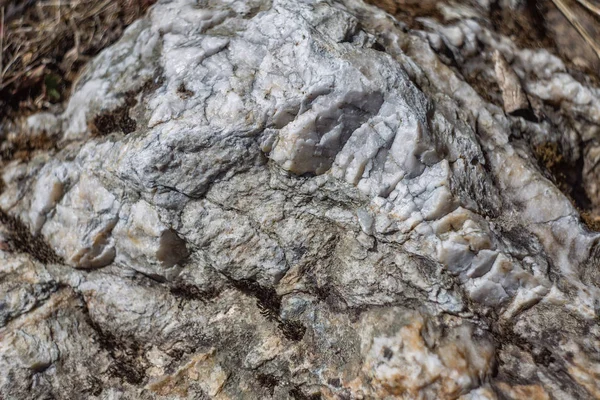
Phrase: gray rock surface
(301, 200)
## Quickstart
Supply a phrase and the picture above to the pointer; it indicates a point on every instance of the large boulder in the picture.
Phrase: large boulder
(303, 199)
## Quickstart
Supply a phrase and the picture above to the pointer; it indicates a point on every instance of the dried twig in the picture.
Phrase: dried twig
(572, 18)
(1, 43)
(591, 7)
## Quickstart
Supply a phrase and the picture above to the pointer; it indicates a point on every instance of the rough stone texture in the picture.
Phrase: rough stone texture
(302, 200)
(513, 96)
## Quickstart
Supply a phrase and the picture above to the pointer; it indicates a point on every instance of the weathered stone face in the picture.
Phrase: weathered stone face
(293, 199)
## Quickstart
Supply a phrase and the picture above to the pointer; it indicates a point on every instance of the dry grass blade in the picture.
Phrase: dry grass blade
(1, 43)
(591, 7)
(44, 43)
(573, 20)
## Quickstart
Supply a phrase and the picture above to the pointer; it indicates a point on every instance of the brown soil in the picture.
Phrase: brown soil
(526, 29)
(568, 178)
(117, 120)
(408, 10)
(22, 147)
(19, 239)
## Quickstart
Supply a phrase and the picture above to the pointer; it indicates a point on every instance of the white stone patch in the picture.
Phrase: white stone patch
(146, 244)
(80, 229)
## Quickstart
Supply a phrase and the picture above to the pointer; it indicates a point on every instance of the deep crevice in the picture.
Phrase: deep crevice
(568, 177)
(268, 382)
(128, 355)
(269, 304)
(189, 292)
(20, 239)
(117, 120)
(298, 394)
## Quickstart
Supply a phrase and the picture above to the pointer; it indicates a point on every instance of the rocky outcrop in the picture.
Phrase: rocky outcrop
(303, 199)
